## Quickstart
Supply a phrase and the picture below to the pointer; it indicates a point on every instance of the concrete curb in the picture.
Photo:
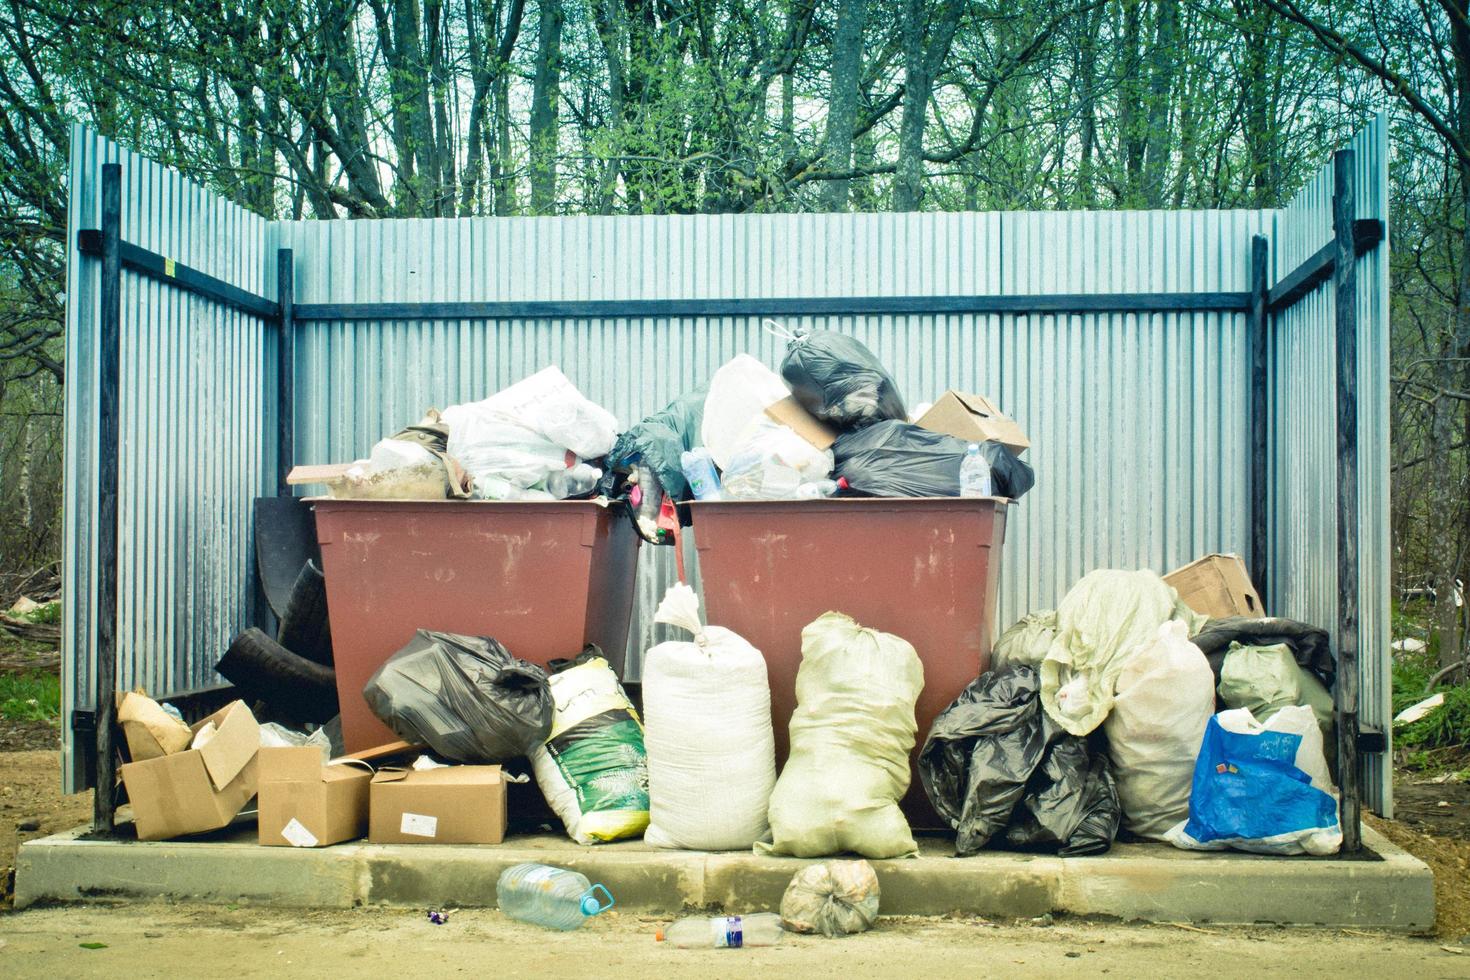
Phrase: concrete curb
(1152, 883)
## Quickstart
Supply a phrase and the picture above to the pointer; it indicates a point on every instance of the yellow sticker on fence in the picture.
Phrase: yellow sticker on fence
(168, 267)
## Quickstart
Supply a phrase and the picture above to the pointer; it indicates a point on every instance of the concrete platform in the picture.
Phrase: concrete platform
(1387, 889)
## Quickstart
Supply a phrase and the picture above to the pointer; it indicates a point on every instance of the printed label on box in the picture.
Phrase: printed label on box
(419, 825)
(298, 835)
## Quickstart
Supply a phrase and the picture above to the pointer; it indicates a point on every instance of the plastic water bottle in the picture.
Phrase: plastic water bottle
(818, 489)
(699, 470)
(724, 931)
(975, 474)
(552, 897)
(573, 481)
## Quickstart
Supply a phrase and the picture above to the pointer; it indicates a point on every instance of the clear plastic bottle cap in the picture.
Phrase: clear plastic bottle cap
(974, 447)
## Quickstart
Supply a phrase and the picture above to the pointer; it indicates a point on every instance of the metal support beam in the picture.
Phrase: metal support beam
(164, 269)
(1345, 297)
(108, 411)
(285, 370)
(1258, 332)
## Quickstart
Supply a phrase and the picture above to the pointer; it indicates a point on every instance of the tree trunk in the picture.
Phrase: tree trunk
(543, 108)
(1255, 19)
(1087, 105)
(1165, 58)
(1130, 103)
(925, 46)
(842, 107)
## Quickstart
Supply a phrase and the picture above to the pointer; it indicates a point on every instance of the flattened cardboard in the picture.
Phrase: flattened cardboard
(974, 418)
(788, 412)
(450, 805)
(304, 803)
(1217, 586)
(200, 789)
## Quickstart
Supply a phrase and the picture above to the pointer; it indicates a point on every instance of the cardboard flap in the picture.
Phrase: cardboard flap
(977, 405)
(291, 764)
(789, 413)
(390, 775)
(236, 741)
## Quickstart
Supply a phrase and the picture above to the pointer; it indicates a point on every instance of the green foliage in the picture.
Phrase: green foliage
(1445, 726)
(30, 697)
(47, 612)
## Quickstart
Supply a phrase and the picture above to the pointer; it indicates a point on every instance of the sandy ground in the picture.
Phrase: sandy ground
(184, 941)
(173, 941)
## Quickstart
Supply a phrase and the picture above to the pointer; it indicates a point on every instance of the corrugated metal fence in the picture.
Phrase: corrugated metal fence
(1139, 421)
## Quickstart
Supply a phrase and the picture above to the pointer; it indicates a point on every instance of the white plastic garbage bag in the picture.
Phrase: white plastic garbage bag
(772, 462)
(851, 735)
(707, 729)
(502, 456)
(1105, 617)
(549, 404)
(740, 391)
(1165, 697)
(1261, 787)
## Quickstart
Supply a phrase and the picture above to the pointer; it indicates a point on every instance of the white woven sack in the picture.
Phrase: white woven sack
(707, 729)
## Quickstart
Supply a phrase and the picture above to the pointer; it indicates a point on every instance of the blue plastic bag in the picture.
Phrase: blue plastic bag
(1262, 788)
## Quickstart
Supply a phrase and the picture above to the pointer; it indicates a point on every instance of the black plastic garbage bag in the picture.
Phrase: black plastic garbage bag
(1071, 803)
(897, 459)
(837, 379)
(465, 697)
(1309, 644)
(995, 765)
(659, 440)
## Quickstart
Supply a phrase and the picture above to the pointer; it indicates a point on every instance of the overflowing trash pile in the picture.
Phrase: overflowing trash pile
(1142, 707)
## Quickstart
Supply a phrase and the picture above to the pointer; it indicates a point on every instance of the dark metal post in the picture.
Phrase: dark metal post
(1345, 297)
(108, 411)
(1260, 340)
(285, 371)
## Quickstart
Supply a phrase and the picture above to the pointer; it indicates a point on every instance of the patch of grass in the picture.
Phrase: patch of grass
(1447, 725)
(30, 697)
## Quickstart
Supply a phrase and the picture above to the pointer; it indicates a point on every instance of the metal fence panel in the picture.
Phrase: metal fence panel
(1303, 440)
(1139, 421)
(197, 411)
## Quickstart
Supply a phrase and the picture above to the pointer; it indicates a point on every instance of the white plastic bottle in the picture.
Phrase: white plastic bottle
(552, 897)
(975, 474)
(818, 489)
(724, 931)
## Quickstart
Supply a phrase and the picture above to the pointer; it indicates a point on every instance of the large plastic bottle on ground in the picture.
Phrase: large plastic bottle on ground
(975, 478)
(724, 931)
(552, 897)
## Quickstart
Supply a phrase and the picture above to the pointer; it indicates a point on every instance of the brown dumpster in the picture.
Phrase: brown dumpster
(542, 578)
(925, 569)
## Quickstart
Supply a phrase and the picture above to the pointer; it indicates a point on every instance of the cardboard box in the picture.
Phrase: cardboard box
(974, 418)
(788, 412)
(307, 803)
(450, 805)
(1217, 586)
(199, 789)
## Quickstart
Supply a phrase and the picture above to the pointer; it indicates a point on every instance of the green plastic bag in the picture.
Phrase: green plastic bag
(851, 735)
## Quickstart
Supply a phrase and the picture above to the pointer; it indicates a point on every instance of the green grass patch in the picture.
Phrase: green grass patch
(30, 697)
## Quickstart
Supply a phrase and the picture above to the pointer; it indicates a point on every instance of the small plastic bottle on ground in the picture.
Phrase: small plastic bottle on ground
(551, 897)
(724, 931)
(975, 474)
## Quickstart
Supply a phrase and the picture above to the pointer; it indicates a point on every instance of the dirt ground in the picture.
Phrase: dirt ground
(175, 941)
(153, 940)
